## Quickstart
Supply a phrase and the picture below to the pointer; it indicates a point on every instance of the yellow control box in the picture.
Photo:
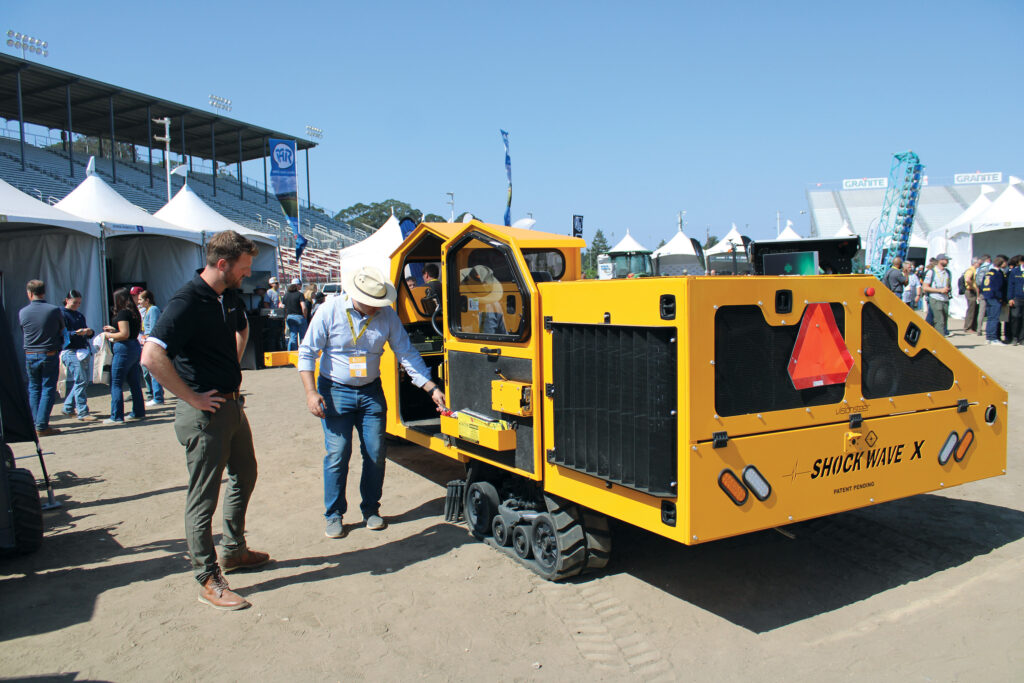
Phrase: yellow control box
(514, 398)
(496, 435)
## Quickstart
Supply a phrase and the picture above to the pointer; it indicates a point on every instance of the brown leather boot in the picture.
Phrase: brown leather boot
(216, 593)
(247, 559)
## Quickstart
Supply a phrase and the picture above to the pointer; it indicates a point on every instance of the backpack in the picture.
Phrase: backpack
(961, 286)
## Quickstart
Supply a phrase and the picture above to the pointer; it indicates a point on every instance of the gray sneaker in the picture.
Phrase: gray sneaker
(375, 523)
(335, 529)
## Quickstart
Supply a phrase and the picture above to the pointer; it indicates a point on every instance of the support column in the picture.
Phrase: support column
(21, 119)
(213, 151)
(182, 138)
(149, 140)
(71, 143)
(309, 199)
(266, 153)
(240, 184)
(113, 143)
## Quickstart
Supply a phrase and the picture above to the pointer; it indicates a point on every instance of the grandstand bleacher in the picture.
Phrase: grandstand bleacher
(47, 177)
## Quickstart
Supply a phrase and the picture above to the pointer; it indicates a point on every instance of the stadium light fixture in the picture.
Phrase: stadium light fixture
(314, 132)
(29, 45)
(218, 102)
(451, 203)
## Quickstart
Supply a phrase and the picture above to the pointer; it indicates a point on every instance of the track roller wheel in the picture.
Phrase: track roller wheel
(521, 542)
(502, 534)
(481, 507)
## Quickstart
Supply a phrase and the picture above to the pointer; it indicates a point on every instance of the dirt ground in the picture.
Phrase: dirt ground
(927, 588)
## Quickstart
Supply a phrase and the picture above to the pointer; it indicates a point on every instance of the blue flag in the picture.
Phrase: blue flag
(283, 180)
(508, 172)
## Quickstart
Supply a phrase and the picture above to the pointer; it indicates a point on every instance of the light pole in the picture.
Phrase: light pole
(166, 139)
(778, 223)
(317, 133)
(27, 44)
(451, 203)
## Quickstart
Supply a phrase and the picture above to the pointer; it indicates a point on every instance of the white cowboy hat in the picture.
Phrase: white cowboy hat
(367, 285)
(479, 283)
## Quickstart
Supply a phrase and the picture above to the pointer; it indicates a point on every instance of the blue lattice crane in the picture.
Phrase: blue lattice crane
(891, 236)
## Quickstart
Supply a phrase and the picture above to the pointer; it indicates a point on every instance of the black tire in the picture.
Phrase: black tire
(481, 506)
(599, 539)
(27, 517)
(559, 544)
(521, 542)
(502, 534)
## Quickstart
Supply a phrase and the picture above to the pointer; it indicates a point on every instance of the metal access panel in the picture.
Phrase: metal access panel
(615, 404)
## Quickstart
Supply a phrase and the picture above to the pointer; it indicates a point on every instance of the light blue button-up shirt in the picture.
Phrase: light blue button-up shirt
(330, 333)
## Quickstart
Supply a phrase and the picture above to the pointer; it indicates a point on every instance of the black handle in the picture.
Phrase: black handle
(490, 352)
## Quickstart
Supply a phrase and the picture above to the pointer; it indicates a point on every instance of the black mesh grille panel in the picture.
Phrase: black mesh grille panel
(615, 392)
(890, 372)
(752, 364)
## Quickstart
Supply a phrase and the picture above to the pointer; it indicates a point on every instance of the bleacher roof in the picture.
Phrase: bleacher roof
(45, 103)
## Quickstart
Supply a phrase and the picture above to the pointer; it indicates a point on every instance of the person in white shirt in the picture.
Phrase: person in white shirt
(350, 330)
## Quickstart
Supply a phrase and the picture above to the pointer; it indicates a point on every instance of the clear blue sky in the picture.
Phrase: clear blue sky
(623, 112)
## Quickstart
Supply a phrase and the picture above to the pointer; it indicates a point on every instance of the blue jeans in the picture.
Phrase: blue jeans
(363, 408)
(992, 310)
(154, 388)
(125, 367)
(42, 386)
(80, 374)
(296, 331)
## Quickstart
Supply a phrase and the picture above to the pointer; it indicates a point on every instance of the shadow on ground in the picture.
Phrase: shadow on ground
(765, 580)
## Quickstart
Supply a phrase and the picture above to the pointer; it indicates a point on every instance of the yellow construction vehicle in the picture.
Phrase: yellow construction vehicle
(694, 407)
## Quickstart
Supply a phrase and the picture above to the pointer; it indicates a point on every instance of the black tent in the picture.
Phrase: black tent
(16, 423)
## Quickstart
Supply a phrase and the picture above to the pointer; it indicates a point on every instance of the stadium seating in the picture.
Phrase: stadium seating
(47, 176)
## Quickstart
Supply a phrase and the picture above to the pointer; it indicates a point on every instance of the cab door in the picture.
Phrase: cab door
(490, 301)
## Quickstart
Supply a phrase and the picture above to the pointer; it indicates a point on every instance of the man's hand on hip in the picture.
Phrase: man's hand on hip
(207, 401)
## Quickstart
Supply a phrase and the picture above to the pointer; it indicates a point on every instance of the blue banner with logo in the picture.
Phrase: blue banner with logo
(283, 180)
(508, 172)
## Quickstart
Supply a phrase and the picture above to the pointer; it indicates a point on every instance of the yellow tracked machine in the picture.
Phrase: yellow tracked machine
(694, 407)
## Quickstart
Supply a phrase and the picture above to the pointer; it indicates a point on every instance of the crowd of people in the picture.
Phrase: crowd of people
(993, 289)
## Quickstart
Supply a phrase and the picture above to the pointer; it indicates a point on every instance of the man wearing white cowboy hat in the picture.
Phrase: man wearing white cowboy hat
(351, 331)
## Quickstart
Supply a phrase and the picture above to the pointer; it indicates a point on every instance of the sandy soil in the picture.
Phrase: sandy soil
(928, 588)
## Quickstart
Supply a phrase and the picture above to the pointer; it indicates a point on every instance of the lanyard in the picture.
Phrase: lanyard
(352, 327)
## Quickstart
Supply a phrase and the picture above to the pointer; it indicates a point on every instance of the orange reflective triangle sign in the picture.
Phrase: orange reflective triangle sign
(820, 356)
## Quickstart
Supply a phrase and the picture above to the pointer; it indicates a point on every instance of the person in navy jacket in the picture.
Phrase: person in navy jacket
(1015, 298)
(993, 288)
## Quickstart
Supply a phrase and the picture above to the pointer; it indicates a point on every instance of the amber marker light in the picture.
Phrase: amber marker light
(966, 441)
(733, 487)
(947, 448)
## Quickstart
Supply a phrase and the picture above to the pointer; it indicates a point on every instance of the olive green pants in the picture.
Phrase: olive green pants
(213, 442)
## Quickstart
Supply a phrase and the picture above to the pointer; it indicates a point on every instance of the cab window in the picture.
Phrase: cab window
(545, 264)
(486, 293)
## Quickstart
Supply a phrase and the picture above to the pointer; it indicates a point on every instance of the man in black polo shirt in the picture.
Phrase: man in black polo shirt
(194, 351)
(43, 328)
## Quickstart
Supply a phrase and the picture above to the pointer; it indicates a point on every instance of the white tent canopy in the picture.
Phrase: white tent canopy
(1007, 211)
(39, 242)
(677, 257)
(142, 249)
(375, 250)
(628, 244)
(789, 233)
(189, 212)
(725, 246)
(962, 223)
(844, 230)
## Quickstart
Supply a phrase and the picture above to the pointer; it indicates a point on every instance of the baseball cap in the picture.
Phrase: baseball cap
(137, 290)
(296, 281)
(942, 257)
(272, 281)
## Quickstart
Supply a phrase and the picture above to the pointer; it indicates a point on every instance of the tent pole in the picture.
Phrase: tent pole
(104, 310)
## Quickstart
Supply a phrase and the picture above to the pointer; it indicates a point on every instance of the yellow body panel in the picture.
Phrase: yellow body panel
(795, 449)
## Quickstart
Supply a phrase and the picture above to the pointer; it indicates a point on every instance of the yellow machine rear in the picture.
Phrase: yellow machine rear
(695, 407)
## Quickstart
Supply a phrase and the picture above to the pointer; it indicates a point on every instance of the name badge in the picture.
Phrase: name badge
(357, 366)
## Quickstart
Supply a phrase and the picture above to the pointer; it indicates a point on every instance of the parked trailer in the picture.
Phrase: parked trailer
(697, 408)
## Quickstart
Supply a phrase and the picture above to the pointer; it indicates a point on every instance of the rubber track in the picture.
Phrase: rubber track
(599, 539)
(27, 512)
